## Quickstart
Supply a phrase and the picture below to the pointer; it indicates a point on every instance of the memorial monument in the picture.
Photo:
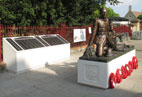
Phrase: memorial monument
(102, 43)
(104, 38)
(103, 57)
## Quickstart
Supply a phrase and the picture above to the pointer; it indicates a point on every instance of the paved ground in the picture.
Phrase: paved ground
(60, 80)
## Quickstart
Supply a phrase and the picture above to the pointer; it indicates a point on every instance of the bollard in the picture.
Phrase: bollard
(141, 35)
(127, 36)
(117, 40)
(123, 38)
(138, 35)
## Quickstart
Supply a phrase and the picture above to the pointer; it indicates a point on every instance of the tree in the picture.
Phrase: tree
(50, 12)
(139, 17)
(6, 14)
(112, 2)
(60, 11)
(111, 13)
(79, 12)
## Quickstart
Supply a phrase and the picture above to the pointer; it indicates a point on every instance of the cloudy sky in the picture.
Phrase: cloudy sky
(122, 8)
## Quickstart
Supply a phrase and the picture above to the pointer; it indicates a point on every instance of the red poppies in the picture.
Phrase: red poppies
(123, 72)
(118, 76)
(135, 62)
(112, 80)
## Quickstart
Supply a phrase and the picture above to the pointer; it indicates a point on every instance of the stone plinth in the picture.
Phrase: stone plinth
(96, 73)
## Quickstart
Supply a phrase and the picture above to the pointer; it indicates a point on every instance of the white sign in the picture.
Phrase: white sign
(90, 31)
(79, 35)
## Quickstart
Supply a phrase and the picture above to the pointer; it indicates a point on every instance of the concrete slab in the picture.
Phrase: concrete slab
(60, 80)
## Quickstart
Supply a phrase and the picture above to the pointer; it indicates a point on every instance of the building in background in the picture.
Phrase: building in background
(132, 16)
(118, 21)
(121, 25)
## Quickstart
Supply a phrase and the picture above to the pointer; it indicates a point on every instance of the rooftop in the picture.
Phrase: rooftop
(118, 19)
(137, 13)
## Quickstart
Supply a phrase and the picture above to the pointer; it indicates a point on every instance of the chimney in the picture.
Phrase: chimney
(130, 8)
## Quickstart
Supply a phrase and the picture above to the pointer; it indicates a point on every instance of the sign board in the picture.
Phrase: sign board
(79, 35)
(90, 31)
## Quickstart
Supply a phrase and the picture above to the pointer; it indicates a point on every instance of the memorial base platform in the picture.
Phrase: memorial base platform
(107, 74)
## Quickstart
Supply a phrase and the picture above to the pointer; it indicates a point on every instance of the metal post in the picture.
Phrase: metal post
(0, 42)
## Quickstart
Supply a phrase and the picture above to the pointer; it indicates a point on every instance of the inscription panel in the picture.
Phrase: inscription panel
(92, 72)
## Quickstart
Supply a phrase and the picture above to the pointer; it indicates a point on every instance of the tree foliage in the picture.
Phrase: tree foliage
(140, 17)
(112, 2)
(50, 12)
(111, 13)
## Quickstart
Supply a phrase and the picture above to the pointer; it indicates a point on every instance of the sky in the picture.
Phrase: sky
(122, 8)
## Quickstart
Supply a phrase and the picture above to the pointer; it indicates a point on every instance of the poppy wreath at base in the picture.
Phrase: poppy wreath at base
(130, 63)
(118, 76)
(128, 70)
(112, 80)
(135, 62)
(124, 72)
